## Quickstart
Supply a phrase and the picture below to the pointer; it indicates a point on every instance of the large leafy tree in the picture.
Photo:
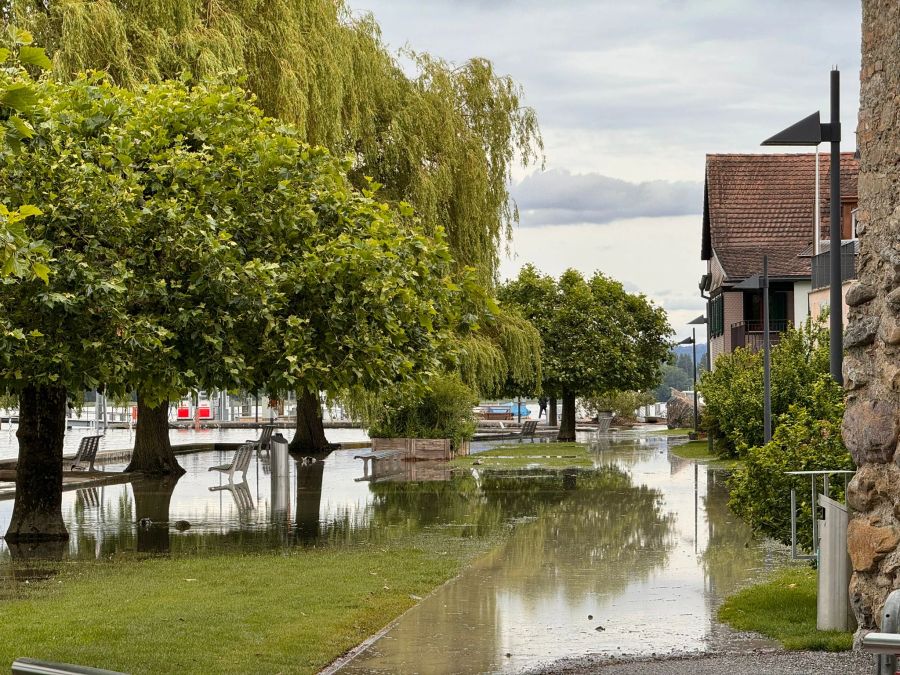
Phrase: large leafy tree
(443, 139)
(187, 232)
(597, 337)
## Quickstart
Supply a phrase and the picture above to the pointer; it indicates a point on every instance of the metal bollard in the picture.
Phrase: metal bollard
(280, 475)
(833, 604)
(25, 666)
(886, 644)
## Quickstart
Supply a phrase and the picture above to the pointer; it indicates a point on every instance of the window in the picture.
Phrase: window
(717, 316)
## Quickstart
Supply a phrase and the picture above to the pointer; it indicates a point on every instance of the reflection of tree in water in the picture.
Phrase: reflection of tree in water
(152, 498)
(607, 451)
(731, 551)
(603, 536)
(309, 500)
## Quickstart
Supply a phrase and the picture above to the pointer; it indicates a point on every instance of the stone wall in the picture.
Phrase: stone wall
(872, 339)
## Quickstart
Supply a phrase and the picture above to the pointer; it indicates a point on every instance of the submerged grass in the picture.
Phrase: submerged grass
(291, 611)
(784, 608)
(670, 432)
(521, 455)
(699, 452)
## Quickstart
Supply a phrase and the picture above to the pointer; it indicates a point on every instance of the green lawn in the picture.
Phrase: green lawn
(294, 611)
(670, 432)
(699, 451)
(784, 608)
(521, 455)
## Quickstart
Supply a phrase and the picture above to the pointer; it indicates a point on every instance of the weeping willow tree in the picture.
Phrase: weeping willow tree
(441, 137)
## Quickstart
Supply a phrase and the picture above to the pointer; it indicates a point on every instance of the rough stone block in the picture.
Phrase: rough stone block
(862, 332)
(867, 544)
(859, 293)
(869, 430)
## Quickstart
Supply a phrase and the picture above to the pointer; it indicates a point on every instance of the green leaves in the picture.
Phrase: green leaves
(34, 56)
(597, 338)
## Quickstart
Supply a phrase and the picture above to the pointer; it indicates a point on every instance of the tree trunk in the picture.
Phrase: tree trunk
(37, 513)
(152, 498)
(153, 453)
(567, 426)
(551, 412)
(309, 438)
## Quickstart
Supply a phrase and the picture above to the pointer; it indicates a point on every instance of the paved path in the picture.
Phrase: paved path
(745, 663)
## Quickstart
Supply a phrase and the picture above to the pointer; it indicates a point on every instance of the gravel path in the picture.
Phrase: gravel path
(742, 663)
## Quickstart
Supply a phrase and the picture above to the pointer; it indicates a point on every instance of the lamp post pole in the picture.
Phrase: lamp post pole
(836, 300)
(694, 364)
(810, 131)
(767, 386)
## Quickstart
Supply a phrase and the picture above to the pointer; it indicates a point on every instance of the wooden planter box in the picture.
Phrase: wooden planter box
(420, 448)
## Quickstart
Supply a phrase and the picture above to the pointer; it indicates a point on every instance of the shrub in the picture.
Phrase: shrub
(733, 392)
(623, 404)
(442, 410)
(807, 438)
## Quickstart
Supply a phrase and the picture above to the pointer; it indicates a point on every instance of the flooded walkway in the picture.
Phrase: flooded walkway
(630, 557)
(634, 562)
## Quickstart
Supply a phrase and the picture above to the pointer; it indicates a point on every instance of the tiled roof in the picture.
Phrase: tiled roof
(764, 204)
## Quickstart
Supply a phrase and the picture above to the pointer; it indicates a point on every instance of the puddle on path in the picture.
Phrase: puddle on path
(646, 547)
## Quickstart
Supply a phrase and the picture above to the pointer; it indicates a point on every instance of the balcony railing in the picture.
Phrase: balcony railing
(749, 334)
(821, 267)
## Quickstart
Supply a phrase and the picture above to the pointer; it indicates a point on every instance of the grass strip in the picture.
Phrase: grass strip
(784, 608)
(670, 432)
(293, 611)
(521, 455)
(699, 452)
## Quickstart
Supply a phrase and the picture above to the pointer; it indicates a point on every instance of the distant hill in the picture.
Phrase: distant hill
(686, 349)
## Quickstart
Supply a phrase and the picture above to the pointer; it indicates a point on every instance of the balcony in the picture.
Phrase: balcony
(821, 268)
(749, 334)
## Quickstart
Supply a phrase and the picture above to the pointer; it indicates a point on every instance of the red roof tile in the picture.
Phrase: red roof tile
(764, 204)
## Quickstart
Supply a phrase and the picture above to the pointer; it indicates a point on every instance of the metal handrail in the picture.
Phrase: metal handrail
(826, 484)
(886, 645)
(26, 666)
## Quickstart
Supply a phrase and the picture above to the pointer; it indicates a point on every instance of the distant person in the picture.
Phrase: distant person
(542, 402)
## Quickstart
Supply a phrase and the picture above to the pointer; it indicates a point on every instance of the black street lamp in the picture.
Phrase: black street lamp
(758, 282)
(810, 131)
(693, 342)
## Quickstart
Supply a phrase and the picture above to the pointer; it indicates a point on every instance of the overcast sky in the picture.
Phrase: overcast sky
(630, 97)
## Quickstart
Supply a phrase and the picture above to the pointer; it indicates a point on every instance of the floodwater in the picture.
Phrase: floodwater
(123, 439)
(631, 557)
(635, 560)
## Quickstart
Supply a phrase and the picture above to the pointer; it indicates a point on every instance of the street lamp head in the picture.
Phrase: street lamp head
(687, 341)
(751, 283)
(807, 131)
(698, 321)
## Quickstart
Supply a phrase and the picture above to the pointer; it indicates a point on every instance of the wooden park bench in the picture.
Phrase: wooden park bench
(84, 458)
(238, 464)
(528, 429)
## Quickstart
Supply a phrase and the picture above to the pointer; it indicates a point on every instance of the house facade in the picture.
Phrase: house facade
(759, 205)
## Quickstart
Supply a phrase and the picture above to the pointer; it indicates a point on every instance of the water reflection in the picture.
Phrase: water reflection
(635, 560)
(643, 544)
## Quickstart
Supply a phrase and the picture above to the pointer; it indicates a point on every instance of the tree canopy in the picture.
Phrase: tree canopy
(597, 338)
(443, 138)
(194, 243)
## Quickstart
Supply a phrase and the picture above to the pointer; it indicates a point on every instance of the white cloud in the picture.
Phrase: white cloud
(559, 197)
